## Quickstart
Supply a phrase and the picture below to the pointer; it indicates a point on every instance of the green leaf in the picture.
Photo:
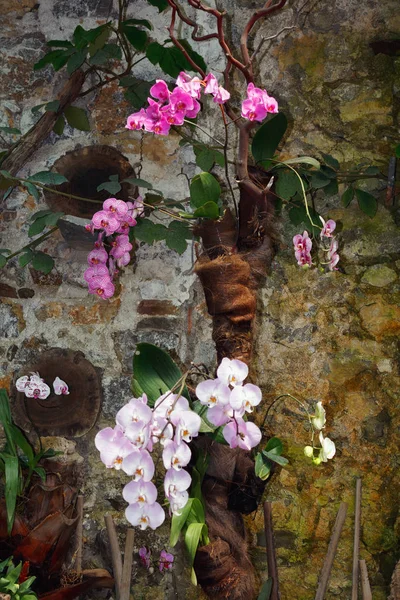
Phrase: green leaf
(109, 52)
(332, 188)
(36, 108)
(24, 587)
(266, 590)
(11, 488)
(307, 160)
(262, 466)
(192, 538)
(149, 232)
(273, 451)
(75, 61)
(204, 188)
(52, 106)
(160, 4)
(287, 185)
(3, 261)
(59, 43)
(37, 227)
(141, 22)
(41, 472)
(113, 187)
(21, 441)
(178, 522)
(372, 170)
(319, 180)
(83, 37)
(52, 218)
(40, 213)
(268, 138)
(12, 130)
(209, 210)
(42, 262)
(173, 61)
(100, 41)
(328, 172)
(195, 56)
(32, 190)
(57, 58)
(5, 411)
(138, 92)
(25, 258)
(59, 125)
(298, 215)
(205, 159)
(367, 202)
(48, 178)
(154, 52)
(139, 182)
(397, 151)
(176, 236)
(155, 371)
(61, 61)
(347, 196)
(332, 162)
(281, 460)
(137, 37)
(76, 117)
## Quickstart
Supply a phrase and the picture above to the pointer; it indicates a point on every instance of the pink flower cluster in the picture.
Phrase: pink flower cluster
(303, 245)
(114, 221)
(174, 107)
(164, 563)
(228, 400)
(258, 104)
(34, 386)
(128, 446)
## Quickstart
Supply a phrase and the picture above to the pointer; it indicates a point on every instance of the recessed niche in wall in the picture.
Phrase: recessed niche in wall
(86, 168)
(70, 415)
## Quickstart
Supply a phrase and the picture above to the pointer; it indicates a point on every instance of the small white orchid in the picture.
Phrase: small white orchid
(318, 420)
(60, 387)
(309, 451)
(328, 448)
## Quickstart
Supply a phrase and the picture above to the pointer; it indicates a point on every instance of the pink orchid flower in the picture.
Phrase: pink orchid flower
(37, 389)
(144, 555)
(165, 404)
(181, 101)
(139, 464)
(211, 84)
(173, 117)
(166, 561)
(242, 434)
(222, 413)
(98, 256)
(103, 287)
(175, 456)
(120, 246)
(113, 447)
(232, 372)
(141, 492)
(258, 104)
(187, 425)
(60, 387)
(136, 120)
(124, 260)
(176, 482)
(117, 208)
(103, 219)
(245, 397)
(189, 85)
(213, 392)
(160, 90)
(145, 515)
(327, 228)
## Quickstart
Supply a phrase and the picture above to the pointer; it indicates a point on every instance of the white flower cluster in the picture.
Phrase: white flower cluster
(33, 386)
(327, 449)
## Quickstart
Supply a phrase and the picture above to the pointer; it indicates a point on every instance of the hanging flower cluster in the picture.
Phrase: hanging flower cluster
(114, 222)
(33, 386)
(228, 400)
(327, 450)
(128, 446)
(258, 104)
(303, 245)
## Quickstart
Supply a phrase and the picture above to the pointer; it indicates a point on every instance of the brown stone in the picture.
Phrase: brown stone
(26, 293)
(381, 319)
(156, 307)
(49, 311)
(101, 312)
(7, 291)
(52, 278)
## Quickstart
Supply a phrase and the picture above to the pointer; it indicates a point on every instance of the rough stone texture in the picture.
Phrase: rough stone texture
(326, 337)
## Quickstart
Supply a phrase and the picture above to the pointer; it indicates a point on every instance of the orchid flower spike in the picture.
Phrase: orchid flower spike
(60, 387)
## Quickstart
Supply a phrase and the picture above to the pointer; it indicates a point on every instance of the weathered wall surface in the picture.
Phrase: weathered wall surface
(319, 337)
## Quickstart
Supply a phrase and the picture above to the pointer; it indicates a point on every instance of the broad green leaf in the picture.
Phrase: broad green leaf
(13, 573)
(268, 138)
(298, 215)
(136, 389)
(176, 236)
(149, 232)
(319, 180)
(82, 37)
(59, 44)
(52, 106)
(262, 466)
(25, 258)
(330, 161)
(347, 196)
(173, 61)
(113, 187)
(266, 590)
(209, 210)
(287, 184)
(5, 412)
(77, 118)
(154, 52)
(155, 371)
(372, 170)
(11, 130)
(41, 472)
(52, 218)
(48, 178)
(3, 261)
(109, 52)
(204, 188)
(55, 58)
(195, 56)
(139, 182)
(201, 410)
(196, 514)
(11, 488)
(192, 538)
(160, 4)
(36, 108)
(59, 125)
(138, 92)
(21, 441)
(61, 61)
(32, 190)
(274, 445)
(24, 587)
(205, 159)
(367, 202)
(302, 160)
(37, 227)
(137, 37)
(42, 262)
(332, 188)
(100, 41)
(75, 61)
(281, 460)
(397, 151)
(328, 172)
(178, 522)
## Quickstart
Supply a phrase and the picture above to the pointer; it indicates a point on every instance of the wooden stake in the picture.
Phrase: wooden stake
(365, 587)
(127, 568)
(79, 535)
(356, 547)
(115, 554)
(330, 555)
(271, 554)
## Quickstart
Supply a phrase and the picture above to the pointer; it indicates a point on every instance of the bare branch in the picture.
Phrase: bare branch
(177, 43)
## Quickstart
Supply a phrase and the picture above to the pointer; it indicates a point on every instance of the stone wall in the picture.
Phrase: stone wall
(326, 337)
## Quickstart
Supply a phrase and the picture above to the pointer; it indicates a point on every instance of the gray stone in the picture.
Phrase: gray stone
(379, 276)
(8, 322)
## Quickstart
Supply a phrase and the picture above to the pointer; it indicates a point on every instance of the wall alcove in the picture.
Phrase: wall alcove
(70, 415)
(86, 168)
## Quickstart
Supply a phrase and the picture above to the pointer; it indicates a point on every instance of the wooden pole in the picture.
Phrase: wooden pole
(79, 535)
(127, 568)
(330, 555)
(356, 547)
(271, 554)
(365, 587)
(116, 558)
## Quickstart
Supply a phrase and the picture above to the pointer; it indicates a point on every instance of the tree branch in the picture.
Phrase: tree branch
(177, 43)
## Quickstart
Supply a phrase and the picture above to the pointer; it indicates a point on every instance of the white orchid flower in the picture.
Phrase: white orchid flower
(318, 420)
(328, 448)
